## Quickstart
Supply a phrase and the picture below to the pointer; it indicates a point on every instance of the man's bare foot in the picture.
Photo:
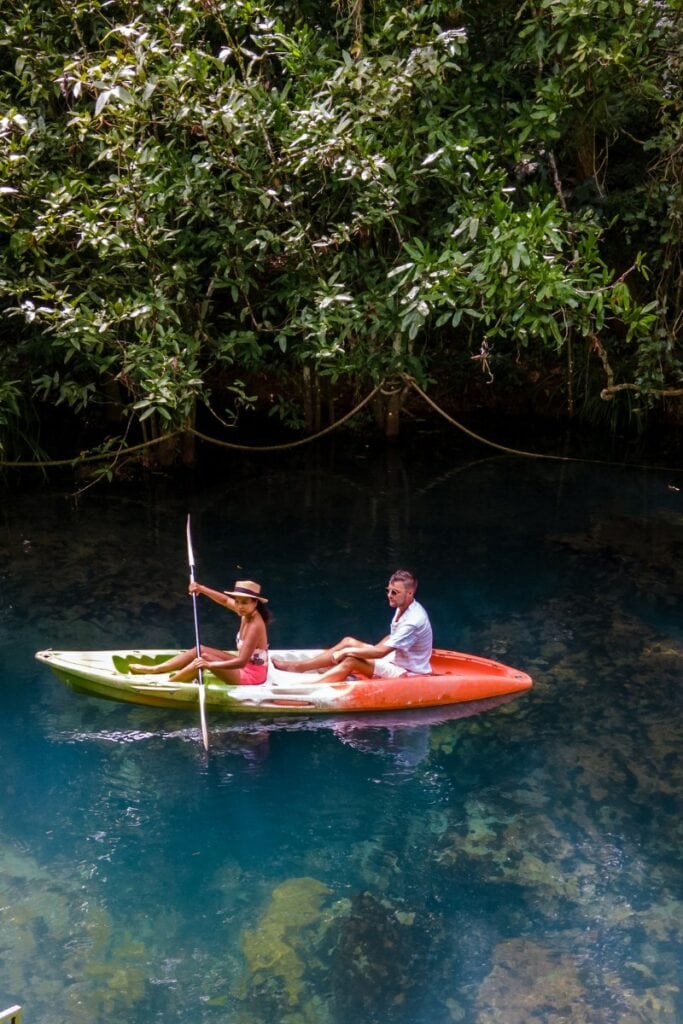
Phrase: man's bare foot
(145, 670)
(289, 666)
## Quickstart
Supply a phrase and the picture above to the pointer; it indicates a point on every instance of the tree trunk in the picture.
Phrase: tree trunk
(392, 415)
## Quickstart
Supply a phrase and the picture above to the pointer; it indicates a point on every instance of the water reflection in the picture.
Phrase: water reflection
(401, 735)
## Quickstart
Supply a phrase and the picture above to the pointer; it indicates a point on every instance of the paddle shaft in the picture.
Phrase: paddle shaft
(200, 672)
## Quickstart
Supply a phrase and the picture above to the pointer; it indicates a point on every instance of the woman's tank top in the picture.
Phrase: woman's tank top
(258, 657)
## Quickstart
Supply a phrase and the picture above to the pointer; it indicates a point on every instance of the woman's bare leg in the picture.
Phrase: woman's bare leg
(190, 674)
(178, 661)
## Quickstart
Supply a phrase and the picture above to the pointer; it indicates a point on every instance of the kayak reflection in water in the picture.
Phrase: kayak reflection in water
(247, 667)
(405, 651)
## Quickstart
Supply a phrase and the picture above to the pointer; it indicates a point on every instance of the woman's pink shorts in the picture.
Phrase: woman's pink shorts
(253, 675)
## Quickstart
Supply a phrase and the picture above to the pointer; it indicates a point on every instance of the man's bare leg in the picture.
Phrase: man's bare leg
(347, 667)
(321, 661)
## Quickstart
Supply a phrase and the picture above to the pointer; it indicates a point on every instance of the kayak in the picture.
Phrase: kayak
(455, 678)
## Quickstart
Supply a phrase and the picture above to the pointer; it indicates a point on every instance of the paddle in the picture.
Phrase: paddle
(202, 695)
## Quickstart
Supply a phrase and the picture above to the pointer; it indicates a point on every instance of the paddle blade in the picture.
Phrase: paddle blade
(190, 552)
(202, 695)
(202, 716)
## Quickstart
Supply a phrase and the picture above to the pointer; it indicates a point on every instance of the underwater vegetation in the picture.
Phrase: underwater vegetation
(279, 949)
(315, 958)
(63, 951)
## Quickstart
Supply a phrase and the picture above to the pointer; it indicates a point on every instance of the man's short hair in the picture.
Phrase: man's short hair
(403, 576)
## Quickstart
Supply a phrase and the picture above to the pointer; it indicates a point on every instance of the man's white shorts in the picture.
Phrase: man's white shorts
(384, 668)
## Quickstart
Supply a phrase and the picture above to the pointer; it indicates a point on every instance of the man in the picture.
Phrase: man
(405, 651)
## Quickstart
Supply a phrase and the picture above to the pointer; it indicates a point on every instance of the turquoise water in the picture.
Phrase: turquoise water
(515, 862)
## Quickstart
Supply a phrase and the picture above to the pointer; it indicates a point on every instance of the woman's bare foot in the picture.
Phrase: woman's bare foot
(145, 670)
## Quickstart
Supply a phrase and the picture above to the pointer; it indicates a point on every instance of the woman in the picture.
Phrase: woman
(249, 666)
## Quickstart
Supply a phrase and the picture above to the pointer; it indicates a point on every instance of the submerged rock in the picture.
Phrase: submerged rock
(371, 973)
(531, 983)
(651, 548)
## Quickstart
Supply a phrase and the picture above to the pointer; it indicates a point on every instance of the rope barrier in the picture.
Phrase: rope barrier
(78, 460)
(519, 452)
(122, 452)
(408, 381)
(477, 437)
(287, 444)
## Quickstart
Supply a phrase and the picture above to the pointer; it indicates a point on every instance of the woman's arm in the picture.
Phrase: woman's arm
(216, 595)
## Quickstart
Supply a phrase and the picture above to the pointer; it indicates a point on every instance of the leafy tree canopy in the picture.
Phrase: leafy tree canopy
(199, 195)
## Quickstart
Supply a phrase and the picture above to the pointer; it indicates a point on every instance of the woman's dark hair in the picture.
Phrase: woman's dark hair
(264, 612)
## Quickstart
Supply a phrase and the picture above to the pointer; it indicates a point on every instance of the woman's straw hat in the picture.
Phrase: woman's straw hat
(247, 588)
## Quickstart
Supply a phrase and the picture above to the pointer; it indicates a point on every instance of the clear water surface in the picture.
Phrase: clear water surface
(516, 862)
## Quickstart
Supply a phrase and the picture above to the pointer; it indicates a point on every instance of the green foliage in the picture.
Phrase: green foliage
(195, 194)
